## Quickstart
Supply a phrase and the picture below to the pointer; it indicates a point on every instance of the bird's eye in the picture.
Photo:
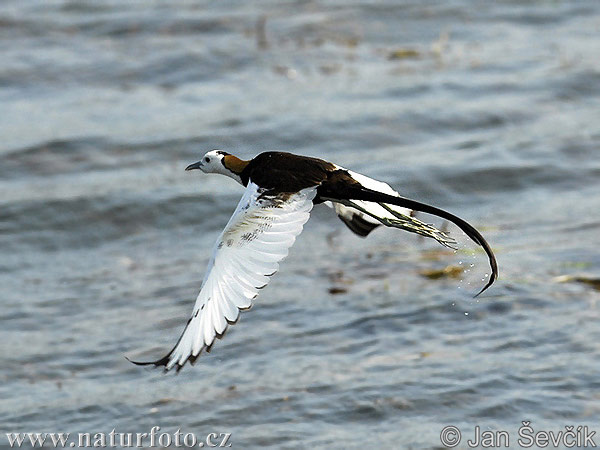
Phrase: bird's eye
(207, 159)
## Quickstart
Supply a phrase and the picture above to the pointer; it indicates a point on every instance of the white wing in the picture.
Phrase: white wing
(248, 251)
(359, 222)
(362, 217)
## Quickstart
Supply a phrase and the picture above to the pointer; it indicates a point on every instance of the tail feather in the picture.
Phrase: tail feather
(358, 192)
(414, 225)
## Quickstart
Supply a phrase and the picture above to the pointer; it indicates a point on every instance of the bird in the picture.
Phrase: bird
(280, 191)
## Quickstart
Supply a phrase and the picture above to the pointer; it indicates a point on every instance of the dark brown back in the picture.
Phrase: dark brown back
(286, 172)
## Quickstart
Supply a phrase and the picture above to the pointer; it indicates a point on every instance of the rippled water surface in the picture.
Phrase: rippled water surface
(488, 109)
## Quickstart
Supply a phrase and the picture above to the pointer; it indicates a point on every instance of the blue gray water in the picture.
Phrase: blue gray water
(488, 109)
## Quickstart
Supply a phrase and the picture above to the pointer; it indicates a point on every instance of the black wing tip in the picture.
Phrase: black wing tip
(358, 225)
(162, 362)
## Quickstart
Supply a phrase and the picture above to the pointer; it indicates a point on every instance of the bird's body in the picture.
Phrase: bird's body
(281, 189)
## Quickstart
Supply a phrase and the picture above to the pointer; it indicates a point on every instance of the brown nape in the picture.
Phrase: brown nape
(235, 164)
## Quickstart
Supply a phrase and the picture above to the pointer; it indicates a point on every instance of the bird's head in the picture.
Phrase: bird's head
(218, 161)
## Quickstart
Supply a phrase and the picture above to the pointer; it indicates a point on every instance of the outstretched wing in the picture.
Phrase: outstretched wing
(359, 222)
(362, 217)
(257, 237)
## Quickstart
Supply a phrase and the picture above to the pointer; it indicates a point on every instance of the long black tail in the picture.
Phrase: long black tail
(369, 195)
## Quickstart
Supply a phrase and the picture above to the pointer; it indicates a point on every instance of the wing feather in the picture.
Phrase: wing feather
(362, 216)
(256, 239)
(350, 214)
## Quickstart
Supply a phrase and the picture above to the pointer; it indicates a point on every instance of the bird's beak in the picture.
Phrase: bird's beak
(196, 165)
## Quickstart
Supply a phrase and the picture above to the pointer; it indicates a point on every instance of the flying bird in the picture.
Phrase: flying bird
(281, 189)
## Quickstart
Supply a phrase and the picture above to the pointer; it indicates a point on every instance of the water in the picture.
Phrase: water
(489, 110)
